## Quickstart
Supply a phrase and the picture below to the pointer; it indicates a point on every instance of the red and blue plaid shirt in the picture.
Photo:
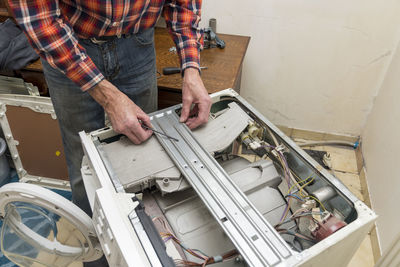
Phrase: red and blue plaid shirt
(54, 25)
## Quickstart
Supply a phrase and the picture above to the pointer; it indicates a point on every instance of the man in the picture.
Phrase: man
(99, 56)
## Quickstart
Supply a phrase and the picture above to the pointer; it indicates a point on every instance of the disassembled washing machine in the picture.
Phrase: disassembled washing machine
(235, 192)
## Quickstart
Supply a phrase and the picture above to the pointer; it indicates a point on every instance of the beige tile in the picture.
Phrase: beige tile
(363, 256)
(318, 136)
(308, 135)
(76, 264)
(343, 159)
(352, 182)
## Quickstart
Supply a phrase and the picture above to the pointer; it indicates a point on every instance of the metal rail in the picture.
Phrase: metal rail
(253, 236)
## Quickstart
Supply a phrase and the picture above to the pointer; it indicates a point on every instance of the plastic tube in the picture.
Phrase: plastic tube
(331, 143)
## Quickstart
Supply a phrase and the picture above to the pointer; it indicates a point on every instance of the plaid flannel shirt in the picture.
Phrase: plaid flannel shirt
(54, 25)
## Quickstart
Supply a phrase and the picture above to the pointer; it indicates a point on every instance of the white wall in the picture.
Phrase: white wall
(381, 150)
(312, 64)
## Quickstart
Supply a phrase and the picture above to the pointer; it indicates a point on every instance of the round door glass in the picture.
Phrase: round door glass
(34, 236)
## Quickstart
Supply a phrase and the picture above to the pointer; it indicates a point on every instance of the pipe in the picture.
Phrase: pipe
(331, 143)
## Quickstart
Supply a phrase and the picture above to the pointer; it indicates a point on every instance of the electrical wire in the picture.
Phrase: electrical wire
(286, 169)
(316, 199)
(295, 196)
(226, 256)
(308, 196)
(304, 183)
(303, 195)
(282, 160)
(166, 236)
(286, 211)
(298, 216)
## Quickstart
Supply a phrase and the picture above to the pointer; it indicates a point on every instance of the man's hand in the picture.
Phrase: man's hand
(123, 113)
(194, 92)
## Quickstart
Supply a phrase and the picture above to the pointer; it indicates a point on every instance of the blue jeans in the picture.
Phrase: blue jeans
(129, 64)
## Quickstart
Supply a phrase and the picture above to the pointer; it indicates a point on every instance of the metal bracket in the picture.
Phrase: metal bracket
(253, 236)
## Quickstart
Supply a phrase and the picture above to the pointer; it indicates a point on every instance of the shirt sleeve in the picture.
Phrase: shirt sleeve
(55, 41)
(182, 18)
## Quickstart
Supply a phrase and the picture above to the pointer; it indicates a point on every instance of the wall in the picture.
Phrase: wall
(381, 147)
(314, 65)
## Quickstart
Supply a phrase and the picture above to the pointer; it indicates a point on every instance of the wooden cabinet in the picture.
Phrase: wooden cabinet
(224, 66)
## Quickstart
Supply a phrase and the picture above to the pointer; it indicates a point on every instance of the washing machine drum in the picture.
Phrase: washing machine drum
(42, 228)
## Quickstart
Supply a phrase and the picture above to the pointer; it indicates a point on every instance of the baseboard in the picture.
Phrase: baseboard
(367, 200)
(315, 136)
(376, 250)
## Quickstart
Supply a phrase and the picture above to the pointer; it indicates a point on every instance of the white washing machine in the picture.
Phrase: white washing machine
(236, 192)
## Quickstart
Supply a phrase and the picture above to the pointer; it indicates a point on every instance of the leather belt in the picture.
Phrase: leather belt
(104, 39)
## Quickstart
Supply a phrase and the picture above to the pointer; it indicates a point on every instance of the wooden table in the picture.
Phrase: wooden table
(224, 66)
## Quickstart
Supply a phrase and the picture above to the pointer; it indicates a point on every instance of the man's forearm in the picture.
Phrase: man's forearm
(105, 93)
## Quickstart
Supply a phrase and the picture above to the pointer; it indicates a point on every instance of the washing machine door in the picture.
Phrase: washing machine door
(42, 228)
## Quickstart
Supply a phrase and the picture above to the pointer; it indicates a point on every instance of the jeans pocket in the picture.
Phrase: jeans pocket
(145, 38)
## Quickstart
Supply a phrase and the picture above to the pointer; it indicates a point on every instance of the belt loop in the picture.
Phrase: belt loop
(94, 40)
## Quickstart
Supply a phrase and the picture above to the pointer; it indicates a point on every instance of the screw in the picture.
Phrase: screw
(166, 181)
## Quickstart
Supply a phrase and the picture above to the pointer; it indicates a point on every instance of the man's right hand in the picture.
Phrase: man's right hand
(123, 113)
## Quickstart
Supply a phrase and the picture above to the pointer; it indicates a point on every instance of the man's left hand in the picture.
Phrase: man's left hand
(194, 92)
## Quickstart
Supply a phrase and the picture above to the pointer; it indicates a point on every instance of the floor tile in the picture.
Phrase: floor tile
(352, 182)
(76, 264)
(363, 256)
(304, 134)
(343, 159)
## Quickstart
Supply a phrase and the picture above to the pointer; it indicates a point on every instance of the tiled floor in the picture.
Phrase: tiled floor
(344, 166)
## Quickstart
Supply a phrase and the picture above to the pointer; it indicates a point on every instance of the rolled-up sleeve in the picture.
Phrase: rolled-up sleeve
(55, 41)
(182, 18)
